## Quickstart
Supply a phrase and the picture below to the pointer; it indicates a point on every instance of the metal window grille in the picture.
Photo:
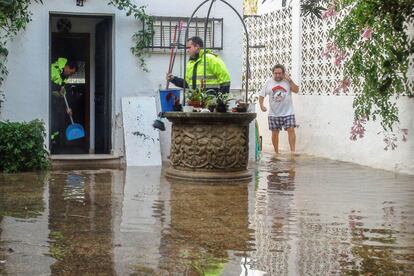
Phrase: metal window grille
(164, 32)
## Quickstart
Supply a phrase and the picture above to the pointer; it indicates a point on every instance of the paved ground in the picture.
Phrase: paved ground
(307, 216)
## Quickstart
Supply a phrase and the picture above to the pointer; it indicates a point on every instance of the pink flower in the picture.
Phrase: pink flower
(358, 130)
(391, 139)
(329, 49)
(367, 34)
(405, 134)
(329, 12)
(338, 61)
(343, 85)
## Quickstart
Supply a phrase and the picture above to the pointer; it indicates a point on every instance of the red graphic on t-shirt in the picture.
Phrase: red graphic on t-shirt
(279, 92)
(278, 87)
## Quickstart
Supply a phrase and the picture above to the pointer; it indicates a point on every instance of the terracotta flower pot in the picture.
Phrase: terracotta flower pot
(195, 103)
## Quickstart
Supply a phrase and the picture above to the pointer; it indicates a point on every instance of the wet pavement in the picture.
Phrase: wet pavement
(307, 216)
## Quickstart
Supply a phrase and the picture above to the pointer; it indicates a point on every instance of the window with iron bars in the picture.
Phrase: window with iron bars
(164, 28)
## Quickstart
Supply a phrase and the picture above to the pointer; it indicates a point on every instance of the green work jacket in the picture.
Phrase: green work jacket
(56, 70)
(216, 74)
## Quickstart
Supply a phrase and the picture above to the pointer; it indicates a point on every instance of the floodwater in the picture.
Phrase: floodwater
(308, 216)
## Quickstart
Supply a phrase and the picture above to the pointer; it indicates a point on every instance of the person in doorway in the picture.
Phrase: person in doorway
(279, 88)
(217, 75)
(60, 71)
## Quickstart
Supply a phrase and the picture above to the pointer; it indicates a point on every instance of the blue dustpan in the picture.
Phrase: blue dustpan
(73, 131)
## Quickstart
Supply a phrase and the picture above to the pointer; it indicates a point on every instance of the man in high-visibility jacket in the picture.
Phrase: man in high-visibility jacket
(217, 76)
(60, 71)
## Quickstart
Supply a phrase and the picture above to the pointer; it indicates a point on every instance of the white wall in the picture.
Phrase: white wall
(269, 5)
(325, 121)
(27, 86)
(324, 130)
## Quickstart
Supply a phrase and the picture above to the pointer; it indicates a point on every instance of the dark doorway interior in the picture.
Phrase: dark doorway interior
(88, 41)
(103, 84)
(75, 47)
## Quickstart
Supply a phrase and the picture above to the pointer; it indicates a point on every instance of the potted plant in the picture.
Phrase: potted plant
(211, 103)
(241, 106)
(221, 102)
(197, 98)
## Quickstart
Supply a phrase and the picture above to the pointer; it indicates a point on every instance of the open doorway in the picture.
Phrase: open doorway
(87, 40)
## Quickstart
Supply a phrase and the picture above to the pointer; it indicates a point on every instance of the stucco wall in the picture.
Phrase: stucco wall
(325, 120)
(27, 86)
(269, 5)
(324, 130)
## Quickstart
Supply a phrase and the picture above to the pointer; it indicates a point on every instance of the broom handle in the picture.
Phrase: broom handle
(180, 27)
(171, 56)
(67, 106)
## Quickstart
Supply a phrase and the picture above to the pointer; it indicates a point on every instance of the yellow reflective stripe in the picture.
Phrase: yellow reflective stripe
(208, 77)
(212, 86)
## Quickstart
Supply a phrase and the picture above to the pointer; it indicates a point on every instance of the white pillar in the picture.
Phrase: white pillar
(296, 42)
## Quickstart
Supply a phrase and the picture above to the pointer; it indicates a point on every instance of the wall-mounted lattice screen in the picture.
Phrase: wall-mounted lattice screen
(164, 28)
(319, 75)
(274, 32)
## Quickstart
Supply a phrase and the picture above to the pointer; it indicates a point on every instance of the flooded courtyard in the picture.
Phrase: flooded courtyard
(308, 216)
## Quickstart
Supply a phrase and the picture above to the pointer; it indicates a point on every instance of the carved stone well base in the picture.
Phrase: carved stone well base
(212, 147)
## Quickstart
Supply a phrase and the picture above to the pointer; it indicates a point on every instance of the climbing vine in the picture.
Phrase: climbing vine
(371, 43)
(14, 16)
(142, 38)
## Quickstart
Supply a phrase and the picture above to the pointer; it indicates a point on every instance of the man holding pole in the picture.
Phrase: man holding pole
(217, 76)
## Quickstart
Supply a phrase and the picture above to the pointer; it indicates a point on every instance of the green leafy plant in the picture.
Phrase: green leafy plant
(222, 102)
(371, 43)
(198, 96)
(222, 98)
(22, 146)
(142, 38)
(54, 135)
(211, 102)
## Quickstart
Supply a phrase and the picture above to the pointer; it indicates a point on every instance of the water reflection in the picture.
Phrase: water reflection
(179, 228)
(80, 225)
(23, 224)
(320, 217)
(273, 219)
(207, 221)
(306, 216)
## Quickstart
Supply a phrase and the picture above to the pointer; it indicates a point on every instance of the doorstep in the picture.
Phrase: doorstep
(85, 161)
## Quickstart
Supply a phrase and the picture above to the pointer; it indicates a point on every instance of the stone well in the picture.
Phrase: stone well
(212, 147)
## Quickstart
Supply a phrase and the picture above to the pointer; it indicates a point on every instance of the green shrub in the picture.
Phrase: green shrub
(22, 147)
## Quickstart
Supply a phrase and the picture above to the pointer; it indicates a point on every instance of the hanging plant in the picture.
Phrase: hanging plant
(371, 43)
(142, 38)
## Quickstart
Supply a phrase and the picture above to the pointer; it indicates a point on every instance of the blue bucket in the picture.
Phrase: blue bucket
(167, 98)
